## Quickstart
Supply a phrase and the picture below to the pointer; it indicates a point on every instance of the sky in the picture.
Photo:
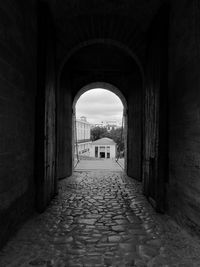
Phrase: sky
(99, 105)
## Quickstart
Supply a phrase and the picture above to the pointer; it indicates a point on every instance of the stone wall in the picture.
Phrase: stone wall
(184, 121)
(64, 130)
(45, 146)
(155, 147)
(17, 111)
(134, 138)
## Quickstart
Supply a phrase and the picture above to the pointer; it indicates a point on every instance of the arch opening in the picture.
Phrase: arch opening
(108, 66)
(107, 121)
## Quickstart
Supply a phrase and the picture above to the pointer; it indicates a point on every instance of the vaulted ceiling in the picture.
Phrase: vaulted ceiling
(141, 11)
(125, 21)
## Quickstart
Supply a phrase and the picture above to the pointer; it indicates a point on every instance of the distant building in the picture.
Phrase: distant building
(100, 124)
(103, 148)
(82, 136)
(109, 125)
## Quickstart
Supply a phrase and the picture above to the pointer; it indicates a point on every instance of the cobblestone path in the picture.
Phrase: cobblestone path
(100, 219)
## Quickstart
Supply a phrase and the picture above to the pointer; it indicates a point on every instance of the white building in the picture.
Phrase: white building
(103, 148)
(82, 136)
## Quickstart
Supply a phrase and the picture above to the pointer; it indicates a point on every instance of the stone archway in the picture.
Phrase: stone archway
(107, 65)
(117, 92)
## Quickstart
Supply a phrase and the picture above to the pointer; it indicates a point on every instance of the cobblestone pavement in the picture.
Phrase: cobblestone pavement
(100, 219)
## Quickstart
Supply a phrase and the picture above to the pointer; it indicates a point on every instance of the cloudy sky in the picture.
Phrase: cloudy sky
(99, 105)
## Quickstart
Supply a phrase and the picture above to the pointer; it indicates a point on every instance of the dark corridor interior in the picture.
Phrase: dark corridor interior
(149, 50)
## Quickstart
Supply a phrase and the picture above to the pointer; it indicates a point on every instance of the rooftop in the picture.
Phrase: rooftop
(104, 141)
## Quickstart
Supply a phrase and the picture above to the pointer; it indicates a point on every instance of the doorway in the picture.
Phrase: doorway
(106, 114)
(102, 155)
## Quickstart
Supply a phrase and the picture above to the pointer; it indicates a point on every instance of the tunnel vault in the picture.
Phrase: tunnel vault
(106, 64)
(105, 61)
(149, 50)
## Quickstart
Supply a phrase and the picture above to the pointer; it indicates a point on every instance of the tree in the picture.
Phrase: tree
(117, 136)
(98, 132)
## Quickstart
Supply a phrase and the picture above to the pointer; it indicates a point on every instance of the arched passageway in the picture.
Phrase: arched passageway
(109, 61)
(149, 50)
(109, 67)
(146, 108)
